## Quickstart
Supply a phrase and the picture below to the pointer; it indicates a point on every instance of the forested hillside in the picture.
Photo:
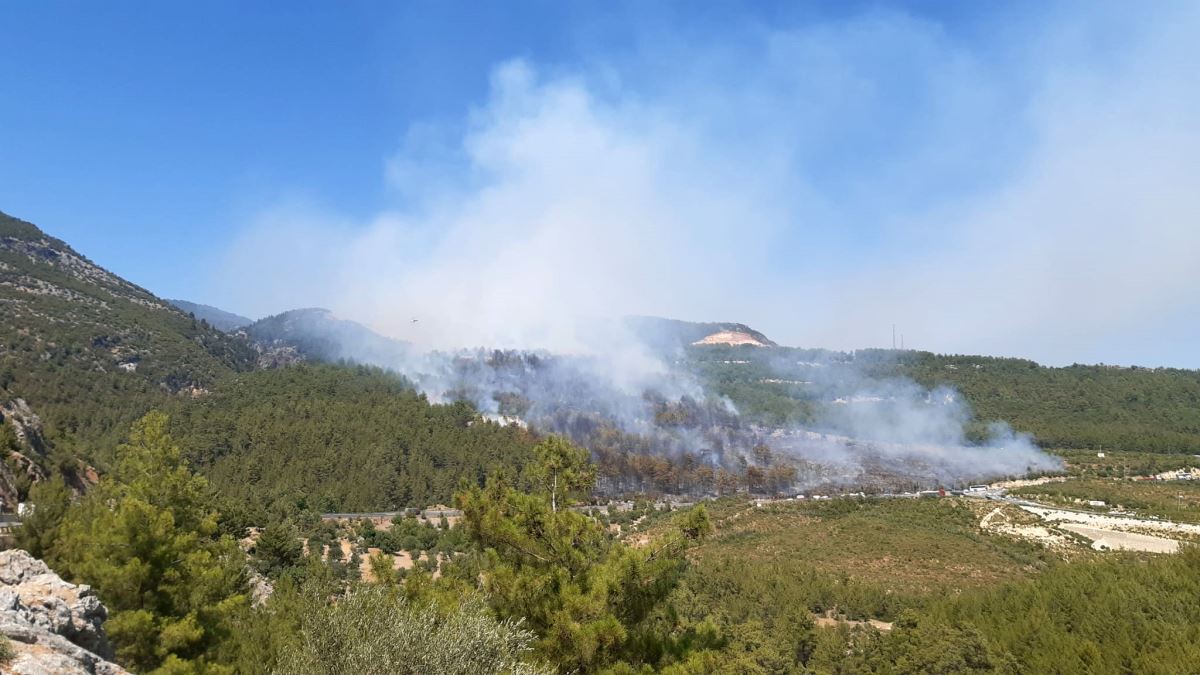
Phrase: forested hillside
(90, 352)
(1143, 409)
(318, 335)
(242, 444)
(333, 438)
(1079, 406)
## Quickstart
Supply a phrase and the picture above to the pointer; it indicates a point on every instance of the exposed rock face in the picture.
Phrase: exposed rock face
(27, 425)
(28, 429)
(261, 588)
(53, 626)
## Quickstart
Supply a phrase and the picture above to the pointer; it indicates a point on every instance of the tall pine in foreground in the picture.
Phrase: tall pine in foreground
(588, 596)
(147, 539)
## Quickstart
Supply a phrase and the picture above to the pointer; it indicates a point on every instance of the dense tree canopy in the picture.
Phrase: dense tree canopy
(146, 538)
(587, 595)
(334, 438)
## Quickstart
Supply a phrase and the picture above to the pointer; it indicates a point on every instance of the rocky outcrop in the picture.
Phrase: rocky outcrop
(20, 464)
(53, 626)
(26, 425)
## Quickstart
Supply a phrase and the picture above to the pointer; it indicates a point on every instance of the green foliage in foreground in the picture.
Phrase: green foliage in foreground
(314, 624)
(146, 539)
(588, 596)
(376, 630)
(39, 530)
(1122, 614)
(539, 585)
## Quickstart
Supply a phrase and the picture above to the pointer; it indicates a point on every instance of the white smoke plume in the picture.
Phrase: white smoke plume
(1038, 203)
(820, 183)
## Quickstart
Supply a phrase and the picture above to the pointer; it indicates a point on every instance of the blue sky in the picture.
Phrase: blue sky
(138, 131)
(354, 154)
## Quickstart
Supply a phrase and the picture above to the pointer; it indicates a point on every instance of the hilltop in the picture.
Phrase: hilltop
(671, 335)
(316, 334)
(226, 321)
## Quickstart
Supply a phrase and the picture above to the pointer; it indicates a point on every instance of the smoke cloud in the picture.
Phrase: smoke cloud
(819, 182)
(1030, 196)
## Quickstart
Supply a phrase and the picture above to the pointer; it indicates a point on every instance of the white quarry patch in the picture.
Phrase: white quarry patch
(1110, 540)
(730, 337)
(1106, 532)
(997, 521)
(1111, 522)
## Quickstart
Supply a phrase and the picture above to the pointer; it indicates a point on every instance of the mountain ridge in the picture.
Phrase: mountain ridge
(316, 333)
(85, 352)
(226, 321)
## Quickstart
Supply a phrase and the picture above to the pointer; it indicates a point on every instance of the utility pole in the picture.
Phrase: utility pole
(893, 336)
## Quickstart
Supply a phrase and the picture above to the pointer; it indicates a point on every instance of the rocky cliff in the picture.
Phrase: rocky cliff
(52, 626)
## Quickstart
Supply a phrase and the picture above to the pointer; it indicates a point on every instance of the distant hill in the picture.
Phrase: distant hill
(226, 321)
(84, 352)
(316, 334)
(670, 335)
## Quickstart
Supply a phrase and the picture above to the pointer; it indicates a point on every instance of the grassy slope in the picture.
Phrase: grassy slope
(869, 558)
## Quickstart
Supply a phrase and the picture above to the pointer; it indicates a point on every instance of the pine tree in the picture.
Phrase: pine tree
(39, 530)
(587, 595)
(147, 539)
